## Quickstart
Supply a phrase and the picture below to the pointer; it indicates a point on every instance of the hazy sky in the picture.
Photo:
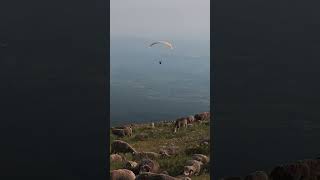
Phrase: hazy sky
(160, 19)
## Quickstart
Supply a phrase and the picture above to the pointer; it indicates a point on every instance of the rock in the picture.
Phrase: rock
(200, 157)
(116, 158)
(119, 146)
(122, 174)
(193, 167)
(148, 165)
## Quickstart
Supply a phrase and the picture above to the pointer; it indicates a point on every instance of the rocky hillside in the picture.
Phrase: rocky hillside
(172, 144)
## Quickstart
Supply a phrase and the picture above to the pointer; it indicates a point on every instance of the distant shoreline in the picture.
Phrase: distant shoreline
(145, 123)
(142, 123)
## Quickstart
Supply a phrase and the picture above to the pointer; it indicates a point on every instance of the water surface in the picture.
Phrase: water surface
(144, 90)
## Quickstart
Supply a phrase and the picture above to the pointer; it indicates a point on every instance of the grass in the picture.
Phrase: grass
(116, 165)
(201, 177)
(187, 140)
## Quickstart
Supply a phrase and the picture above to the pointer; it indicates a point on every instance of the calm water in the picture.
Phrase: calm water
(144, 90)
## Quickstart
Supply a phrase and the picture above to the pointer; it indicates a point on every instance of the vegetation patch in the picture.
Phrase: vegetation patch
(187, 140)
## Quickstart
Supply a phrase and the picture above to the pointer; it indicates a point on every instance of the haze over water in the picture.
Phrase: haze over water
(142, 90)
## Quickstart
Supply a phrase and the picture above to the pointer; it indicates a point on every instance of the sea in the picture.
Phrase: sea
(143, 90)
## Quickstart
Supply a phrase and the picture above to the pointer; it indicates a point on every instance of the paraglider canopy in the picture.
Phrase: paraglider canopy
(165, 43)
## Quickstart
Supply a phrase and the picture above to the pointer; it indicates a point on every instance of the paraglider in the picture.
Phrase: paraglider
(164, 43)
